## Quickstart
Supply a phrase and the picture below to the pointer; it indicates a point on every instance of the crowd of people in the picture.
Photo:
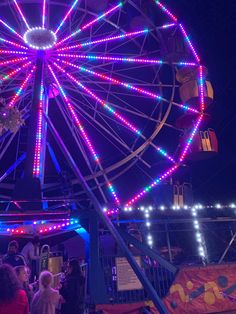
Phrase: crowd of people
(19, 294)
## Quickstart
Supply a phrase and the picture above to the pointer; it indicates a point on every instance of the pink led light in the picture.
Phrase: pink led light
(23, 85)
(201, 89)
(44, 13)
(38, 143)
(111, 188)
(165, 26)
(189, 43)
(11, 29)
(100, 101)
(164, 9)
(12, 73)
(75, 117)
(126, 85)
(111, 58)
(115, 81)
(21, 14)
(13, 43)
(190, 139)
(90, 23)
(66, 16)
(106, 39)
(151, 186)
(13, 52)
(122, 59)
(13, 61)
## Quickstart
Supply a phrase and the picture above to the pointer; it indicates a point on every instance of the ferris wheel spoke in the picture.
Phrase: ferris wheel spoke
(100, 101)
(21, 14)
(13, 61)
(66, 16)
(14, 52)
(76, 119)
(89, 24)
(74, 132)
(105, 39)
(44, 13)
(84, 135)
(21, 88)
(11, 74)
(112, 136)
(126, 85)
(148, 188)
(12, 43)
(11, 29)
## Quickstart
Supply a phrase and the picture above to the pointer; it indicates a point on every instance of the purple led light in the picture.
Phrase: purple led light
(22, 87)
(201, 89)
(164, 9)
(13, 43)
(44, 13)
(111, 58)
(38, 143)
(90, 23)
(66, 16)
(15, 60)
(75, 117)
(190, 139)
(100, 101)
(10, 28)
(10, 74)
(21, 14)
(106, 39)
(124, 84)
(151, 186)
(13, 52)
(189, 43)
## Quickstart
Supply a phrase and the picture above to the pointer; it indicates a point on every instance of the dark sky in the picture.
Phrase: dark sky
(212, 26)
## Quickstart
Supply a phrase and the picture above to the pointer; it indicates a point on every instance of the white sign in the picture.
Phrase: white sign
(126, 277)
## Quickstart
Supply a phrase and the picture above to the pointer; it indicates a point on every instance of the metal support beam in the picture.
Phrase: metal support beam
(16, 163)
(147, 251)
(97, 286)
(106, 221)
(227, 248)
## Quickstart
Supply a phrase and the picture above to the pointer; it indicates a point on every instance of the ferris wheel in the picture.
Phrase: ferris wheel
(98, 84)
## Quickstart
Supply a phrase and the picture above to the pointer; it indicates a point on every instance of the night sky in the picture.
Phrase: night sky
(211, 25)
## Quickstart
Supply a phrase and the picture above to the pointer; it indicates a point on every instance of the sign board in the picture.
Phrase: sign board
(126, 277)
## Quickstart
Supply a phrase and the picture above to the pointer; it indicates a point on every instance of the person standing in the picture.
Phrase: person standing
(22, 273)
(47, 299)
(13, 299)
(73, 290)
(13, 257)
(31, 254)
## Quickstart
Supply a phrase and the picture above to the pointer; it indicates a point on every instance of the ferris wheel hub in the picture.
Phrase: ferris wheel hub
(40, 38)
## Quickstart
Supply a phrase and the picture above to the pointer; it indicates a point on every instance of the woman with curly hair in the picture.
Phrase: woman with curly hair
(12, 298)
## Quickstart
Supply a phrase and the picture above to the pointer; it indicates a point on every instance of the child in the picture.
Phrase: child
(47, 299)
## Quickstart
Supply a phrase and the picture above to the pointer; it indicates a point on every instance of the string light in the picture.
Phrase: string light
(189, 43)
(22, 87)
(12, 43)
(21, 14)
(164, 9)
(44, 13)
(10, 28)
(38, 144)
(75, 117)
(2, 63)
(100, 101)
(13, 52)
(66, 16)
(12, 73)
(95, 57)
(106, 39)
(89, 24)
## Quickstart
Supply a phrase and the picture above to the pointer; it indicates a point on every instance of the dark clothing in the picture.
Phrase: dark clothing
(13, 260)
(73, 292)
